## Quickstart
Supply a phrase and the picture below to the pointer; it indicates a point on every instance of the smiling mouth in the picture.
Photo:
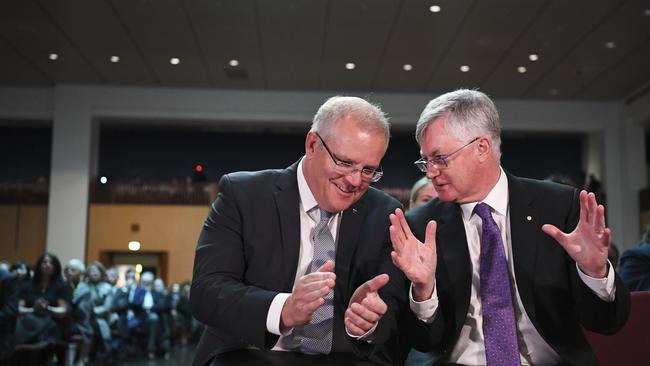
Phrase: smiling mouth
(344, 189)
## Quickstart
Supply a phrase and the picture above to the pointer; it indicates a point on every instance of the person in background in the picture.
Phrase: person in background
(100, 299)
(143, 305)
(74, 273)
(294, 259)
(635, 265)
(422, 192)
(22, 273)
(8, 313)
(44, 305)
(504, 270)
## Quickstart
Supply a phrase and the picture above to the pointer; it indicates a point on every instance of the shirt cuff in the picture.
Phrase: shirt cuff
(368, 336)
(275, 312)
(604, 288)
(424, 310)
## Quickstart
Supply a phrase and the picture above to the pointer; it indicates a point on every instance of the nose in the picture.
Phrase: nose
(432, 171)
(354, 178)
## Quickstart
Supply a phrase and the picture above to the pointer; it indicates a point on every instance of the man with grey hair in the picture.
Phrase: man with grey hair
(286, 255)
(511, 269)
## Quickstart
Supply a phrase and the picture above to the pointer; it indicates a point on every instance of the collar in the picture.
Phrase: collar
(306, 197)
(497, 198)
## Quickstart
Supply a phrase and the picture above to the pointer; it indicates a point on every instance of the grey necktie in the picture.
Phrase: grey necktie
(317, 337)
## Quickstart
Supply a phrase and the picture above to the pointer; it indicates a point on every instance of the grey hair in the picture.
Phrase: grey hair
(370, 116)
(76, 264)
(467, 113)
(417, 186)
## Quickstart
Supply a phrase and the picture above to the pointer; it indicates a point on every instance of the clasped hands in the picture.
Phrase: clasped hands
(364, 310)
(587, 244)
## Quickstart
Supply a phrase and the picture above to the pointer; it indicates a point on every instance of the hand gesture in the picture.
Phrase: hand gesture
(366, 307)
(416, 260)
(588, 243)
(308, 294)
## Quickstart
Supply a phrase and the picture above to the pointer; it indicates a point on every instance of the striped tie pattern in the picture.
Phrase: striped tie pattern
(317, 334)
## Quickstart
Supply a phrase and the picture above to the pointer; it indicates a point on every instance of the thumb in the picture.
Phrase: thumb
(327, 267)
(555, 233)
(373, 285)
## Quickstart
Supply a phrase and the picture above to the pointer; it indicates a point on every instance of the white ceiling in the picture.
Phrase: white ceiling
(305, 44)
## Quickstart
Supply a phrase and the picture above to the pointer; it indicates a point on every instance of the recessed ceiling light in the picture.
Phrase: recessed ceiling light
(115, 59)
(53, 56)
(350, 66)
(647, 12)
(553, 91)
(464, 68)
(521, 69)
(174, 61)
(407, 67)
(435, 8)
(134, 245)
(610, 44)
(533, 57)
(233, 63)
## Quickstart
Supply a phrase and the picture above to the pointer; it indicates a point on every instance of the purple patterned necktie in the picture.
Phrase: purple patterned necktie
(499, 326)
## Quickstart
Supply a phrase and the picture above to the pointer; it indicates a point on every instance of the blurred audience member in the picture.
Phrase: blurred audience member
(21, 271)
(143, 305)
(44, 304)
(74, 273)
(422, 192)
(8, 313)
(635, 265)
(100, 300)
(4, 266)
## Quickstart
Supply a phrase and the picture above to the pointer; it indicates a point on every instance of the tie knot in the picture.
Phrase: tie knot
(483, 210)
(324, 215)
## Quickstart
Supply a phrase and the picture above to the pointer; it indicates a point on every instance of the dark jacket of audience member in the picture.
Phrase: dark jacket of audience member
(8, 312)
(635, 268)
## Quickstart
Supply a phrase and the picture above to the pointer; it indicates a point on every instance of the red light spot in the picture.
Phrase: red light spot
(199, 168)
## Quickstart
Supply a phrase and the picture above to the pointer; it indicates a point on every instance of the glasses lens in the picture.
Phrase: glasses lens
(422, 165)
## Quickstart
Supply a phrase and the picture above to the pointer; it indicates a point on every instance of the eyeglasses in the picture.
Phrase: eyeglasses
(347, 168)
(439, 161)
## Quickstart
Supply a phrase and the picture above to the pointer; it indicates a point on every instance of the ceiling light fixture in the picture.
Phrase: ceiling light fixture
(350, 66)
(553, 91)
(435, 8)
(533, 57)
(647, 12)
(115, 59)
(233, 63)
(610, 44)
(464, 68)
(174, 61)
(53, 56)
(521, 69)
(407, 67)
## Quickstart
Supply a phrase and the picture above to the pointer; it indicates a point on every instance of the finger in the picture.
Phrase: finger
(397, 224)
(430, 234)
(311, 306)
(314, 286)
(357, 319)
(555, 233)
(591, 201)
(398, 242)
(327, 267)
(353, 328)
(317, 276)
(599, 223)
(606, 240)
(375, 305)
(365, 312)
(584, 217)
(405, 226)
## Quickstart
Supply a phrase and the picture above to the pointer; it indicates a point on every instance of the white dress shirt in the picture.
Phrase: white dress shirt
(470, 347)
(291, 339)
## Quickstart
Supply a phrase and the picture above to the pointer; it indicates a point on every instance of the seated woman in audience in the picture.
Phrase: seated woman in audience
(98, 293)
(43, 304)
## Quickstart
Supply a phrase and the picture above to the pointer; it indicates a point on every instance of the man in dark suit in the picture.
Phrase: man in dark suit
(498, 280)
(259, 273)
(635, 265)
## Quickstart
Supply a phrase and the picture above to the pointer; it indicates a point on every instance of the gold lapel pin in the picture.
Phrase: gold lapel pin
(529, 218)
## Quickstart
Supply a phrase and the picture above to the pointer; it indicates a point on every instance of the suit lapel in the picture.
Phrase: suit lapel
(451, 241)
(351, 223)
(287, 200)
(524, 230)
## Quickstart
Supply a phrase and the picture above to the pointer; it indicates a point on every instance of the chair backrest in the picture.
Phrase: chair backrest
(631, 345)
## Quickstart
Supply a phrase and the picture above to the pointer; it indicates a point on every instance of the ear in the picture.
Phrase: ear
(484, 145)
(310, 144)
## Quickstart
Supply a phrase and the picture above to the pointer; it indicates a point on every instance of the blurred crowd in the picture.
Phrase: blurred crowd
(77, 314)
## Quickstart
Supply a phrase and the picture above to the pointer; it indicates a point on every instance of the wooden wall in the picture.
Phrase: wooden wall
(23, 231)
(170, 229)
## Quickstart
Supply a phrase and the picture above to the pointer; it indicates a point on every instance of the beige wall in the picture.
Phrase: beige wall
(172, 229)
(22, 232)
